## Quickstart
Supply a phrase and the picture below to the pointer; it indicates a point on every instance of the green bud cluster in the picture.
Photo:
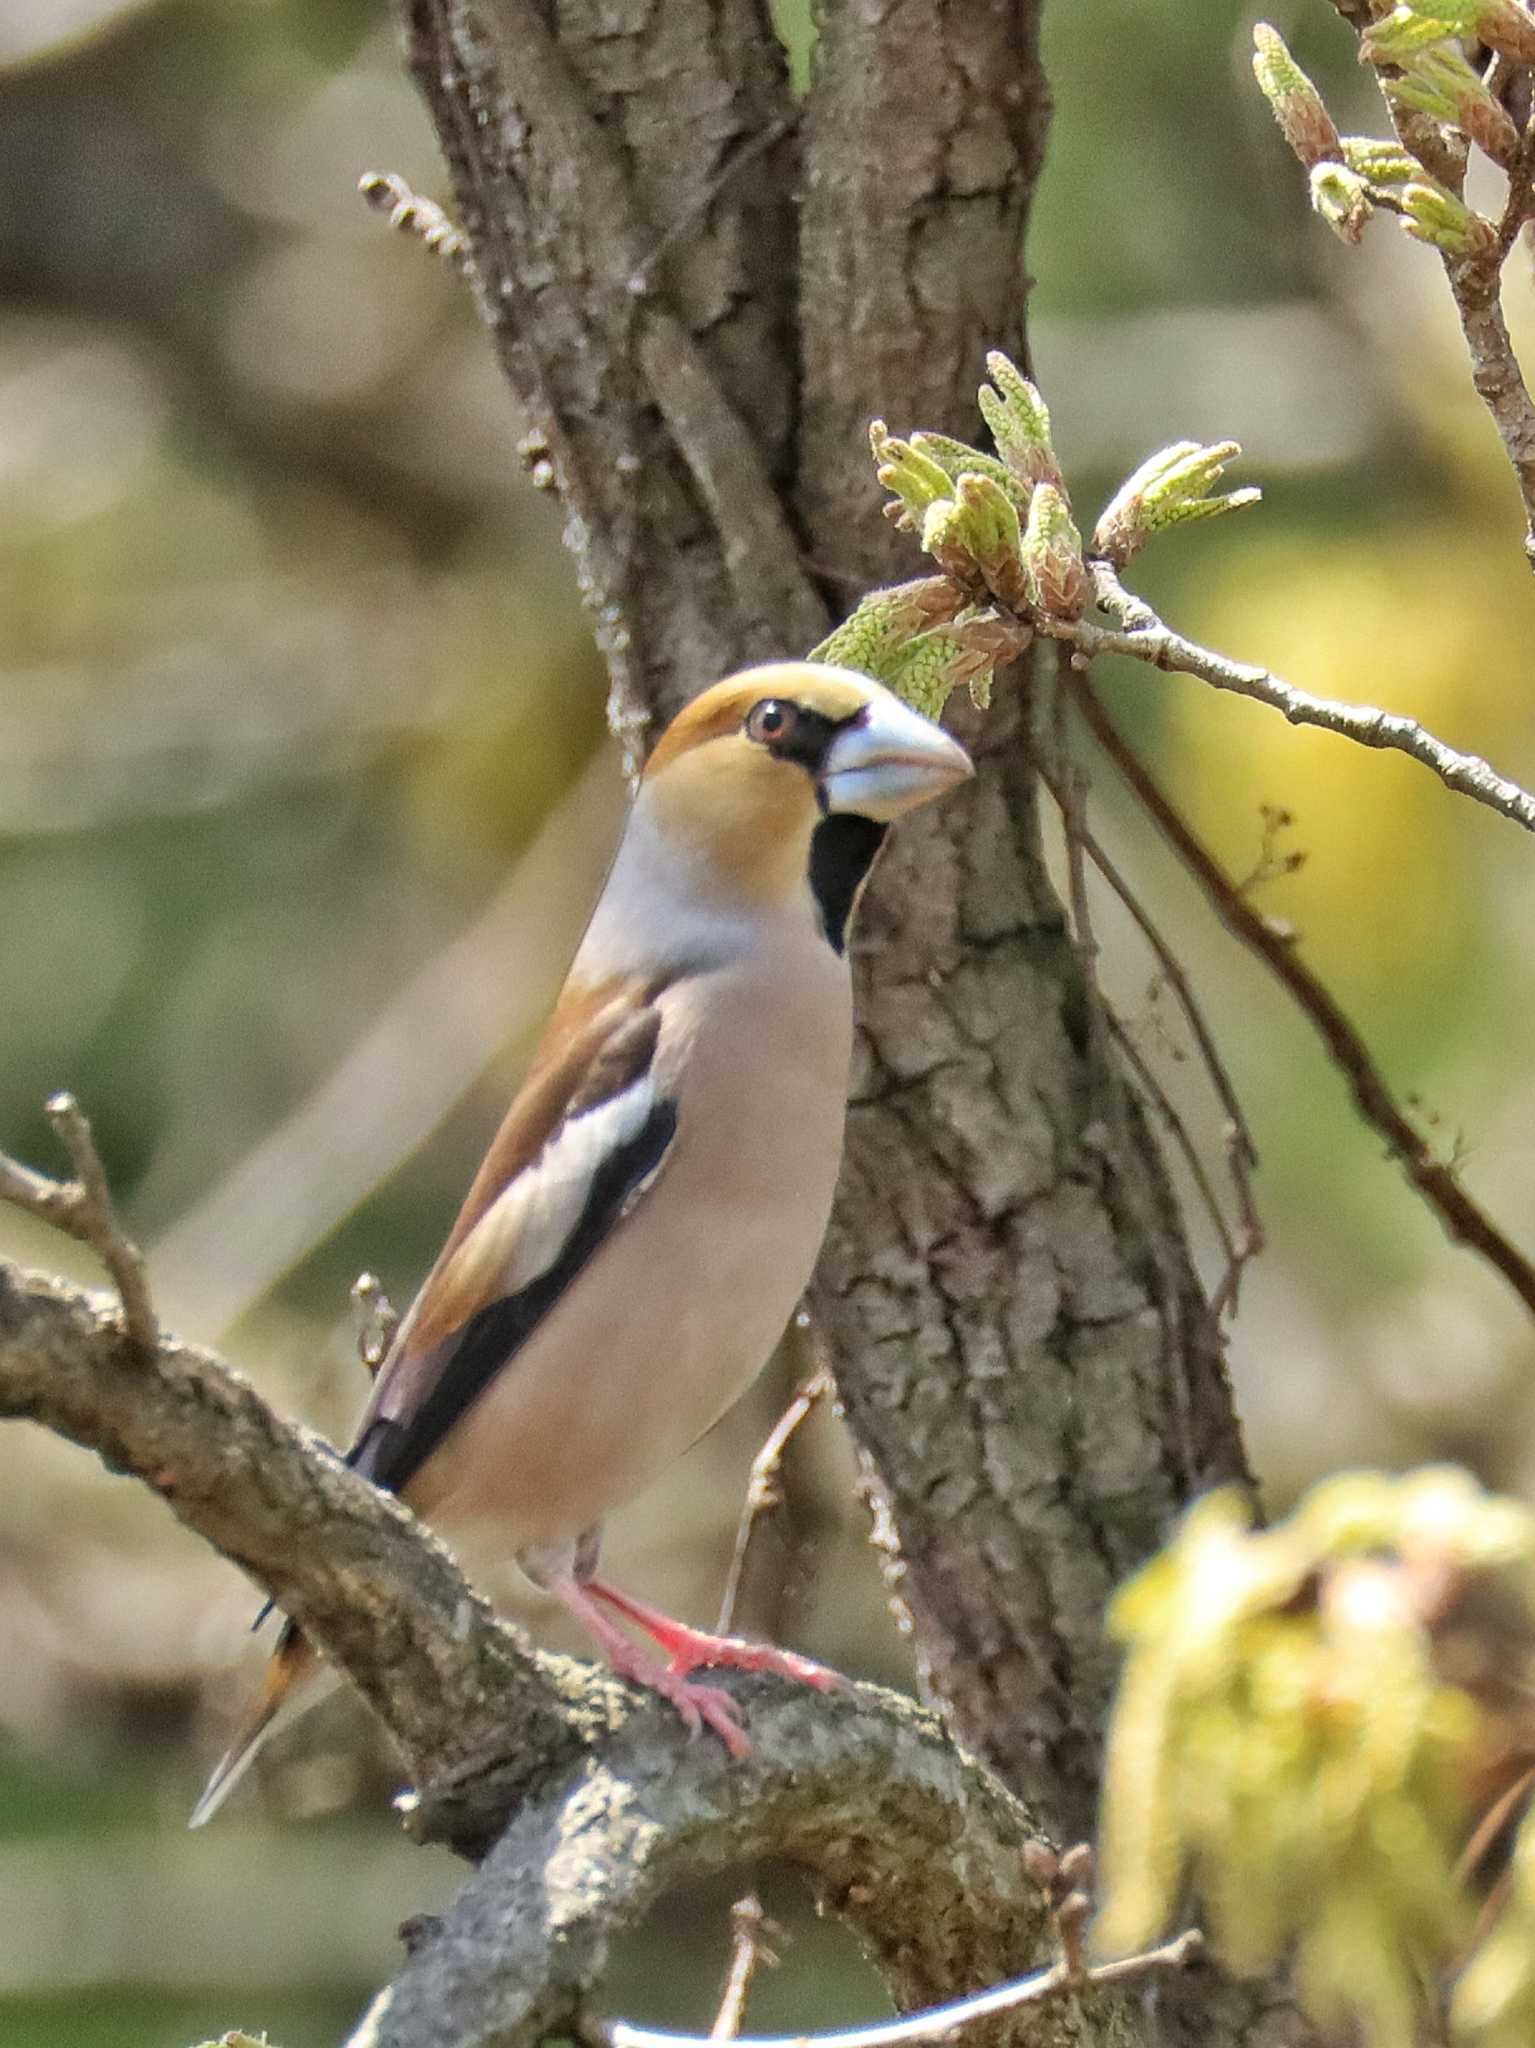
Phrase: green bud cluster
(1418, 45)
(1386, 166)
(872, 638)
(1001, 530)
(1311, 1722)
(1055, 575)
(913, 478)
(957, 459)
(976, 513)
(1507, 26)
(922, 640)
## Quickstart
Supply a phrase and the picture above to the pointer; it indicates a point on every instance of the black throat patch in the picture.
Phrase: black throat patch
(842, 850)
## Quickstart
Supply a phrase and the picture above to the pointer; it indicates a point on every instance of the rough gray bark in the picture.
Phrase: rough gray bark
(910, 1842)
(640, 299)
(924, 139)
(1023, 1351)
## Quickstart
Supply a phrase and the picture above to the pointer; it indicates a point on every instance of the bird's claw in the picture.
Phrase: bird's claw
(706, 1706)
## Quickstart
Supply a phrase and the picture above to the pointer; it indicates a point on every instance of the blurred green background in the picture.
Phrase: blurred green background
(303, 794)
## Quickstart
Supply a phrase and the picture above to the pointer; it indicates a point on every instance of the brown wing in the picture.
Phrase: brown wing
(585, 1136)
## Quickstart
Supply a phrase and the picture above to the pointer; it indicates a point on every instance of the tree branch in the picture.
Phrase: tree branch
(1144, 637)
(942, 2022)
(763, 1491)
(1463, 1220)
(1476, 287)
(862, 1791)
(750, 1932)
(83, 1209)
(380, 1596)
(609, 1801)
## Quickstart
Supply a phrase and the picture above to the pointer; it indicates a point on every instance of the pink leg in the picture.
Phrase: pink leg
(698, 1705)
(690, 1647)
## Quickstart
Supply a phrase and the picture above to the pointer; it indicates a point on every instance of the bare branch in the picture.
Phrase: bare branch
(1144, 637)
(83, 1209)
(1463, 1220)
(381, 1597)
(1241, 1151)
(897, 1830)
(751, 1931)
(942, 2022)
(762, 1488)
(1475, 283)
(1178, 1131)
(1495, 372)
(1251, 1236)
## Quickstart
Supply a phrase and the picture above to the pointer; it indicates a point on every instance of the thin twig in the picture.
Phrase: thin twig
(1069, 789)
(1492, 1824)
(748, 153)
(1250, 1237)
(762, 1488)
(938, 2023)
(751, 1930)
(1174, 974)
(1241, 1148)
(1143, 636)
(1116, 1094)
(1463, 1220)
(82, 1208)
(1178, 1131)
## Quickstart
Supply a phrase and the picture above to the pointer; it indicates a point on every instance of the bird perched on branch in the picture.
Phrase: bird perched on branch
(650, 1209)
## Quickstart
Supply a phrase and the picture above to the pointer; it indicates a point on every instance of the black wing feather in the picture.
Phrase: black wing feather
(391, 1451)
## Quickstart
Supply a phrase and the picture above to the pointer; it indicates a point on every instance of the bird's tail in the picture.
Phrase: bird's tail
(292, 1662)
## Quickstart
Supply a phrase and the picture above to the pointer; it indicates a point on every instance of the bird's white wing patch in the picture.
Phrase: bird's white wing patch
(538, 1213)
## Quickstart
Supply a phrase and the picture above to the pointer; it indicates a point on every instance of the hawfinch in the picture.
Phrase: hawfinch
(649, 1212)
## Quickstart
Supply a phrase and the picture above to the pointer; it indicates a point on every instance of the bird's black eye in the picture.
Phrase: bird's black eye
(772, 721)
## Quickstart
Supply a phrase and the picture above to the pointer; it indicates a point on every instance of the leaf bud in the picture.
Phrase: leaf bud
(1431, 214)
(1055, 574)
(1342, 198)
(1019, 421)
(1296, 103)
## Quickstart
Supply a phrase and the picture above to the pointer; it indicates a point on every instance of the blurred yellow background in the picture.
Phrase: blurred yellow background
(304, 792)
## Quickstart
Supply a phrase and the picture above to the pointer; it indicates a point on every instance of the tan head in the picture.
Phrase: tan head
(752, 767)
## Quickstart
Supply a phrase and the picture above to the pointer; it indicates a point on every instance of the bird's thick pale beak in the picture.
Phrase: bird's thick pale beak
(892, 760)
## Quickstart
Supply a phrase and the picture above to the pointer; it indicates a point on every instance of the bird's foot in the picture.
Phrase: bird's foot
(689, 1648)
(698, 1706)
